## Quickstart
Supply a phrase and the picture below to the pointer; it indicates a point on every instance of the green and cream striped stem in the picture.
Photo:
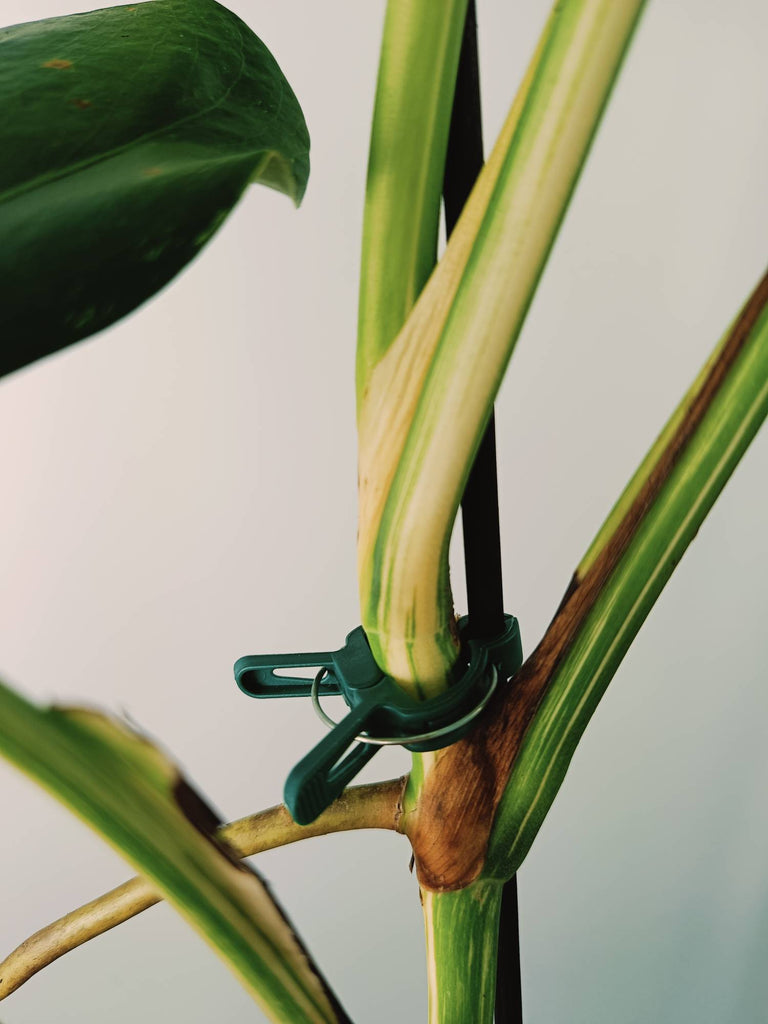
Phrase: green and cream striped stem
(462, 931)
(509, 774)
(424, 404)
(414, 97)
(409, 138)
(631, 559)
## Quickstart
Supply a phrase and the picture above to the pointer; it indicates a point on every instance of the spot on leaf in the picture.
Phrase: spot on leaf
(82, 104)
(152, 172)
(59, 65)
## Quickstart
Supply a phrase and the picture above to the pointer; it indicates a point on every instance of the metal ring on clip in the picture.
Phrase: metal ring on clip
(423, 737)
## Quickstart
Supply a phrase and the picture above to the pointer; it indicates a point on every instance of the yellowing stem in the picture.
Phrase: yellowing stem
(425, 404)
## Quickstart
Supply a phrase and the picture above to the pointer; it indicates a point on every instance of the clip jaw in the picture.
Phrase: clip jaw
(381, 713)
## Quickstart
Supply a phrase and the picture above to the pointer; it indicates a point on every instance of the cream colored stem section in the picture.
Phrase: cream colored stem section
(385, 417)
(428, 399)
(372, 806)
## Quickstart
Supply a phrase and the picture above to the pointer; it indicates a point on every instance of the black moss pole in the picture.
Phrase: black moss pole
(480, 505)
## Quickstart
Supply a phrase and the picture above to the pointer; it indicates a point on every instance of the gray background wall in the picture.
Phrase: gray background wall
(181, 491)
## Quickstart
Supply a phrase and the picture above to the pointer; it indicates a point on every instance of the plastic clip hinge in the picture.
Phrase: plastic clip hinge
(381, 713)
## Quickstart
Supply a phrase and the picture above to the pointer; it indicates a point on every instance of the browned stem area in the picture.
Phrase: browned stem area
(451, 827)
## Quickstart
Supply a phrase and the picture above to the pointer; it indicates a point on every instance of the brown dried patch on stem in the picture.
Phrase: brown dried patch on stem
(449, 830)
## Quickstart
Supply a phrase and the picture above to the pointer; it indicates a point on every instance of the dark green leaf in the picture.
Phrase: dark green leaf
(127, 136)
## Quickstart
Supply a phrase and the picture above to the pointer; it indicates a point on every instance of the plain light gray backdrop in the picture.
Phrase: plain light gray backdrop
(181, 490)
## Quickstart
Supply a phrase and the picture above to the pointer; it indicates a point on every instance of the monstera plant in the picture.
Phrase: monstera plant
(129, 134)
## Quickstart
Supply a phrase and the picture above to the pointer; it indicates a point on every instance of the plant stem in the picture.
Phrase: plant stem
(371, 806)
(461, 930)
(414, 99)
(493, 789)
(624, 572)
(417, 72)
(428, 400)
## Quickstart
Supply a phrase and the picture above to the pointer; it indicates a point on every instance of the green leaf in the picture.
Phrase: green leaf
(622, 574)
(509, 770)
(130, 792)
(128, 134)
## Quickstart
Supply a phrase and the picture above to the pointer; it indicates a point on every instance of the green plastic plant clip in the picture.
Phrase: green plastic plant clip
(381, 713)
(257, 675)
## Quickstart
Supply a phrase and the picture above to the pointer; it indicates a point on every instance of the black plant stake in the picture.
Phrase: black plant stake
(480, 505)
